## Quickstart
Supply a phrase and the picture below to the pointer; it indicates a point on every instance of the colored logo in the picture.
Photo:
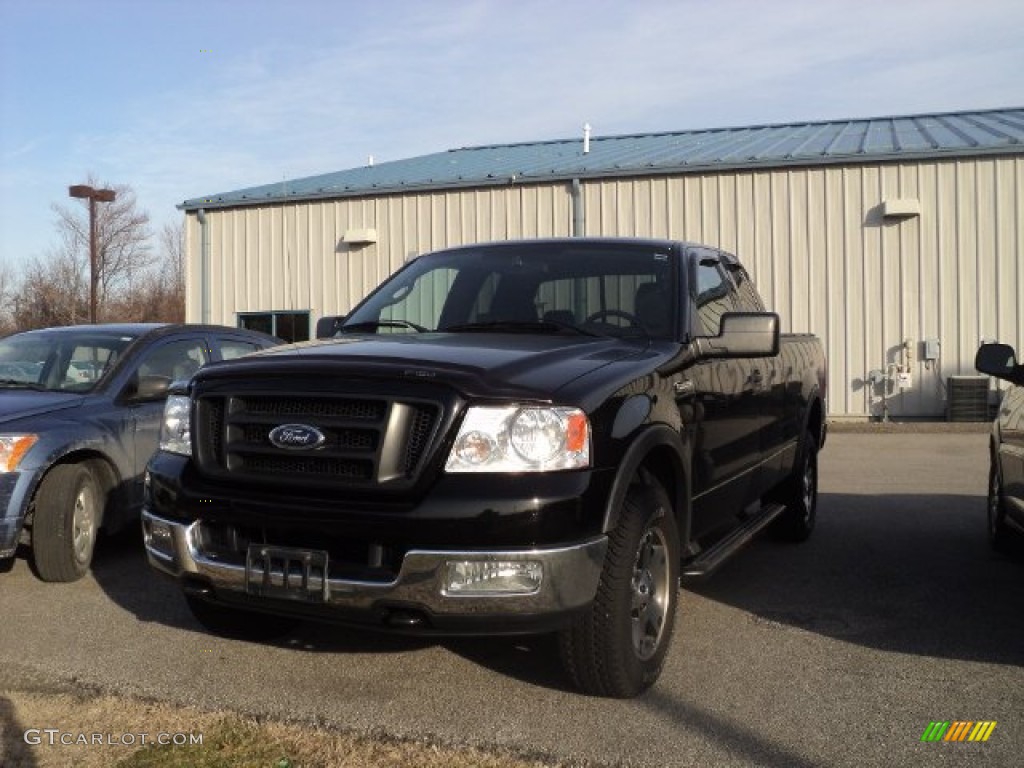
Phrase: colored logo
(296, 437)
(959, 730)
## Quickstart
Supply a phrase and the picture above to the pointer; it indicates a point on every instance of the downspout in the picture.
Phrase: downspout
(578, 218)
(204, 267)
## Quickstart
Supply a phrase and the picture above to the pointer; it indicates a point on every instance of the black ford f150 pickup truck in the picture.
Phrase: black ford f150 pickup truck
(503, 438)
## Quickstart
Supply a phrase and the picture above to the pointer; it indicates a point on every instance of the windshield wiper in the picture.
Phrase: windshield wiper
(517, 326)
(18, 383)
(373, 325)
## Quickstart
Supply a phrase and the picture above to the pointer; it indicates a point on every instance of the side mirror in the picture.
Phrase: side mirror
(148, 388)
(327, 326)
(743, 334)
(999, 360)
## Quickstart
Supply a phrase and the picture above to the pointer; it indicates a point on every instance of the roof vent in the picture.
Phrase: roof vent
(586, 138)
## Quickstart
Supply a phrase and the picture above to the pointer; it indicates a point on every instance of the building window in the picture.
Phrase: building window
(288, 326)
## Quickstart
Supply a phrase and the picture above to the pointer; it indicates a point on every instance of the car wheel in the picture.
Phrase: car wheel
(237, 623)
(799, 494)
(999, 535)
(618, 647)
(68, 510)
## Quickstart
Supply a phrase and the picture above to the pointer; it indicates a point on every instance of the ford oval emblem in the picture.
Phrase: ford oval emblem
(297, 437)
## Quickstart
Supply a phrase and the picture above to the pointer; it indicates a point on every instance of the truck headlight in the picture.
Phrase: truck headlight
(176, 430)
(13, 449)
(521, 439)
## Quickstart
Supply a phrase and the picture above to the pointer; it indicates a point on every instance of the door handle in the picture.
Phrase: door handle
(685, 388)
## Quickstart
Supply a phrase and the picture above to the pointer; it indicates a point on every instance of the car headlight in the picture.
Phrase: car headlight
(13, 449)
(521, 439)
(176, 430)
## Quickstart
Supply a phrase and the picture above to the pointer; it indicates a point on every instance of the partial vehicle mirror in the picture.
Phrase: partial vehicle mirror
(327, 326)
(150, 388)
(743, 334)
(999, 360)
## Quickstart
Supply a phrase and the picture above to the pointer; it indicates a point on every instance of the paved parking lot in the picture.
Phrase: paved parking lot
(838, 652)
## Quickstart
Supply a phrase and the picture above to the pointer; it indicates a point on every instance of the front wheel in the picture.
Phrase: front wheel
(619, 646)
(238, 623)
(68, 509)
(998, 534)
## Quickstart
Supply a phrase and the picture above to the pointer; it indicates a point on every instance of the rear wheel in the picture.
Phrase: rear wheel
(800, 496)
(238, 623)
(68, 509)
(618, 647)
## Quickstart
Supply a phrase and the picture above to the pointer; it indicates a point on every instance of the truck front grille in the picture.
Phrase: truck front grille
(367, 440)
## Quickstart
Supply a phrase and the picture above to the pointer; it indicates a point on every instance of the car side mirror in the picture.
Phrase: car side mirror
(327, 326)
(999, 360)
(743, 334)
(148, 388)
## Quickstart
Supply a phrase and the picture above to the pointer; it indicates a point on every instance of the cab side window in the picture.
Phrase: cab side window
(747, 298)
(176, 360)
(712, 299)
(232, 348)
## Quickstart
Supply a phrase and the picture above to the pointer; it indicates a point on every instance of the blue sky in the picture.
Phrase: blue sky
(188, 98)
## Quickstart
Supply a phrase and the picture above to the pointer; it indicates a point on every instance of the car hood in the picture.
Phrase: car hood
(18, 404)
(482, 364)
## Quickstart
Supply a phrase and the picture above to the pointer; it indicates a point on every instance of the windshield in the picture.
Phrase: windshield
(59, 361)
(603, 289)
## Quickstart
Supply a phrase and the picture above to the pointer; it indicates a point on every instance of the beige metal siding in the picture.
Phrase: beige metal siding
(813, 239)
(823, 256)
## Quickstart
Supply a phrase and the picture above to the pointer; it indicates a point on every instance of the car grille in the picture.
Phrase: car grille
(368, 440)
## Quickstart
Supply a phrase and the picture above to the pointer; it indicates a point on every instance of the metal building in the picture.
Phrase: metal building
(897, 239)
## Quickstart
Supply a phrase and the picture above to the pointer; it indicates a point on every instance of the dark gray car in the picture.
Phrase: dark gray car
(1006, 472)
(80, 414)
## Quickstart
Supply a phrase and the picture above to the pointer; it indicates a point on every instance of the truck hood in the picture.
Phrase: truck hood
(18, 404)
(482, 364)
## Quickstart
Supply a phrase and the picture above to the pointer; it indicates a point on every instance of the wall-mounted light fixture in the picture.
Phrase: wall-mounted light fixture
(901, 209)
(359, 236)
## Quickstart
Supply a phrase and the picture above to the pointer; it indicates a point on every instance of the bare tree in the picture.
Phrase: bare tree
(172, 256)
(122, 241)
(157, 294)
(136, 283)
(8, 295)
(53, 291)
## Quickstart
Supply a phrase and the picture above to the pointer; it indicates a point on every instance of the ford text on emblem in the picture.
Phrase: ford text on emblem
(296, 437)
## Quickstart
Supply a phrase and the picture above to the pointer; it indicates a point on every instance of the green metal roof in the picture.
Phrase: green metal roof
(911, 137)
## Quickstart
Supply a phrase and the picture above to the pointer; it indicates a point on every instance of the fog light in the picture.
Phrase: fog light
(159, 538)
(492, 577)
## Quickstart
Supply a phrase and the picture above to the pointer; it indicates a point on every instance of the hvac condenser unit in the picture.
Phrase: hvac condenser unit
(967, 398)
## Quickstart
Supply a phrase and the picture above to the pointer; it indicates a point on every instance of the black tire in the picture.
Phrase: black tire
(618, 647)
(999, 535)
(238, 623)
(68, 511)
(799, 494)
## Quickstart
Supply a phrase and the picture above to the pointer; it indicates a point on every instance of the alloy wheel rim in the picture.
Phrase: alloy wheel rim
(83, 525)
(809, 482)
(995, 491)
(650, 593)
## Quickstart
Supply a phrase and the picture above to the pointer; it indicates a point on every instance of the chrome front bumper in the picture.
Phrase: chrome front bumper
(569, 581)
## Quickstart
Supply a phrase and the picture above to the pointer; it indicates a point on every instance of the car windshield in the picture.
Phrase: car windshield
(59, 361)
(604, 289)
